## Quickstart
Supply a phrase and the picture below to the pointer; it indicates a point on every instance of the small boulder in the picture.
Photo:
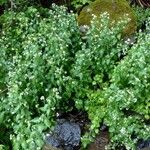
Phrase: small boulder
(66, 135)
(143, 145)
(116, 9)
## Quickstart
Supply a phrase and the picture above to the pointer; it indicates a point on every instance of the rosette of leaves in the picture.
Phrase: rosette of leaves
(39, 46)
(124, 105)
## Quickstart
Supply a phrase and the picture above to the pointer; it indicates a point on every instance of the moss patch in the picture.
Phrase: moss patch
(116, 10)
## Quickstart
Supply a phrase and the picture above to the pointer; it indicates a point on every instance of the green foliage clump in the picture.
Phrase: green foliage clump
(2, 147)
(96, 60)
(79, 3)
(2, 1)
(117, 9)
(45, 67)
(17, 4)
(124, 105)
(37, 48)
(142, 15)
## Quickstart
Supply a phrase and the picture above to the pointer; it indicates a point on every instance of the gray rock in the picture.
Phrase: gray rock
(144, 145)
(66, 135)
(53, 140)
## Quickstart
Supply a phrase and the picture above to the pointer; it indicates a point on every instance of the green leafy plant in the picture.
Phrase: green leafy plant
(2, 1)
(79, 3)
(99, 55)
(124, 105)
(46, 67)
(18, 5)
(38, 47)
(142, 14)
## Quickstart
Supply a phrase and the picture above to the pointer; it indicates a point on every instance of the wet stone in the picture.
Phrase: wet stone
(66, 135)
(104, 127)
(143, 145)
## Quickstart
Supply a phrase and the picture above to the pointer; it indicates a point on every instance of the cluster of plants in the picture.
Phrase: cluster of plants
(46, 66)
(76, 4)
(37, 48)
(141, 15)
(124, 105)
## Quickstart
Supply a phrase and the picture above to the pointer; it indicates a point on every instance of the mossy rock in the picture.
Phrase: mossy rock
(116, 9)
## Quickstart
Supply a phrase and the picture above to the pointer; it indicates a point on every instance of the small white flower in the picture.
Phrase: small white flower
(42, 98)
(123, 131)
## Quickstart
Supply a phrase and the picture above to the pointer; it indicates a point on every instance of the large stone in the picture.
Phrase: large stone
(143, 145)
(116, 9)
(66, 136)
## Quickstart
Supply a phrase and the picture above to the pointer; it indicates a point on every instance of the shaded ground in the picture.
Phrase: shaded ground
(101, 141)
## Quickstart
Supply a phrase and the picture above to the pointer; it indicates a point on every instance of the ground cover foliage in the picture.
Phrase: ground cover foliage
(46, 66)
(124, 105)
